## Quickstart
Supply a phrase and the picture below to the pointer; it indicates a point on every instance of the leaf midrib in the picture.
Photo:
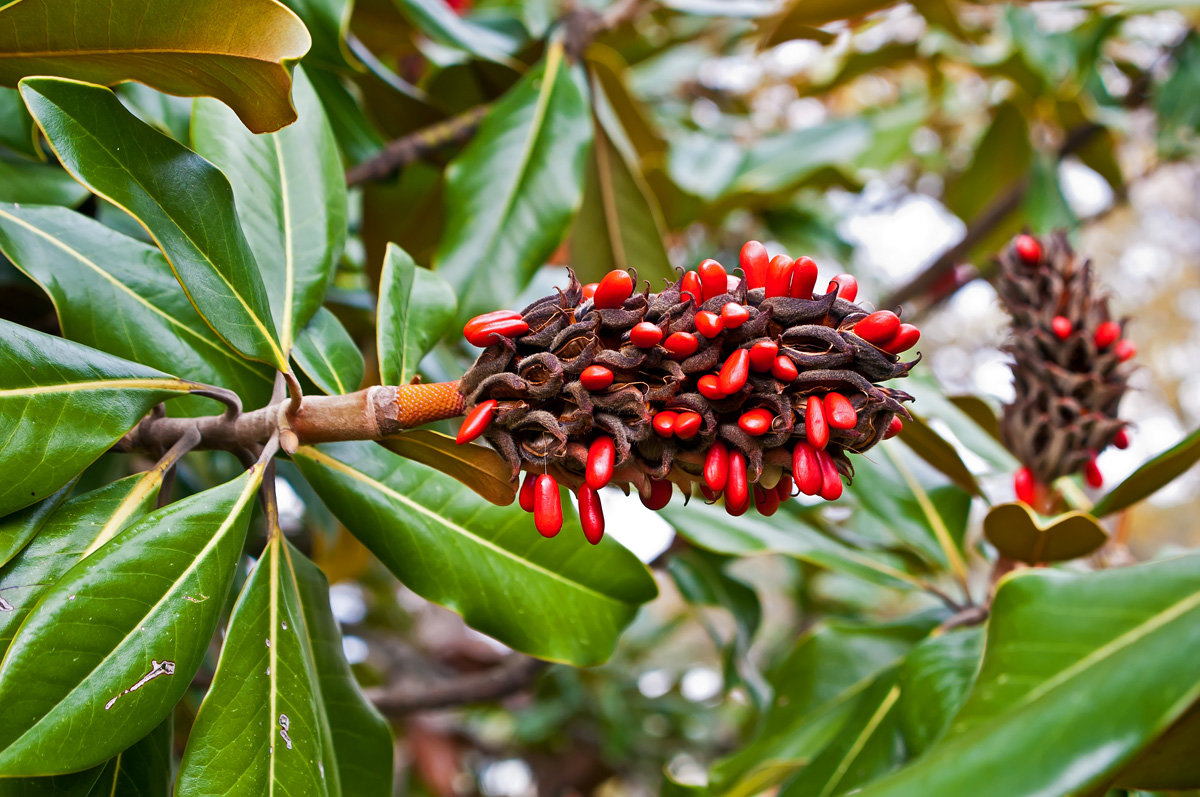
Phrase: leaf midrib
(177, 385)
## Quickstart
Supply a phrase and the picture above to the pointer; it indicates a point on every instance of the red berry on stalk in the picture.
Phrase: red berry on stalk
(1062, 326)
(737, 489)
(815, 427)
(658, 496)
(491, 332)
(845, 285)
(547, 506)
(840, 412)
(1028, 249)
(477, 421)
(804, 278)
(1107, 334)
(601, 460)
(709, 495)
(762, 355)
(613, 290)
(784, 488)
(681, 345)
(716, 466)
(589, 290)
(478, 322)
(688, 424)
(779, 275)
(806, 469)
(1025, 486)
(756, 422)
(1092, 474)
(784, 369)
(754, 262)
(664, 423)
(709, 324)
(1126, 349)
(525, 496)
(591, 514)
(645, 335)
(690, 287)
(879, 327)
(1121, 439)
(714, 280)
(905, 338)
(895, 427)
(596, 377)
(734, 315)
(735, 371)
(766, 501)
(831, 480)
(709, 386)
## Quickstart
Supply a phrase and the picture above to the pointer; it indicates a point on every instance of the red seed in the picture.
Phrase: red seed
(906, 337)
(737, 489)
(840, 412)
(804, 278)
(525, 496)
(1062, 326)
(754, 262)
(895, 427)
(784, 488)
(716, 466)
(756, 422)
(714, 280)
(687, 425)
(779, 275)
(691, 287)
(762, 355)
(613, 290)
(1028, 249)
(879, 327)
(547, 506)
(1121, 439)
(784, 369)
(1025, 486)
(709, 324)
(596, 377)
(815, 427)
(681, 345)
(1092, 474)
(664, 423)
(1126, 349)
(601, 460)
(477, 421)
(490, 333)
(766, 501)
(473, 326)
(645, 335)
(589, 290)
(591, 514)
(709, 495)
(845, 285)
(806, 468)
(735, 371)
(831, 480)
(709, 386)
(1107, 334)
(659, 495)
(734, 315)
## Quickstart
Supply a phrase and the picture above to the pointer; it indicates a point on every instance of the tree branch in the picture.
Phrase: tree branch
(402, 151)
(514, 673)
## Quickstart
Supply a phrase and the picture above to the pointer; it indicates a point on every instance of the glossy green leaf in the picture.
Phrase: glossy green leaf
(17, 529)
(934, 449)
(511, 194)
(479, 467)
(1174, 101)
(17, 131)
(1152, 476)
(61, 406)
(1002, 155)
(74, 529)
(262, 727)
(119, 295)
(559, 599)
(416, 308)
(137, 616)
(327, 22)
(1080, 672)
(140, 170)
(1170, 763)
(934, 681)
(328, 355)
(38, 184)
(290, 192)
(235, 50)
(439, 21)
(970, 435)
(779, 163)
(1046, 207)
(1020, 534)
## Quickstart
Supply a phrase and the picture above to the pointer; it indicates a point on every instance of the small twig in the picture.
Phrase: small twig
(410, 148)
(972, 615)
(295, 393)
(231, 400)
(511, 675)
(167, 463)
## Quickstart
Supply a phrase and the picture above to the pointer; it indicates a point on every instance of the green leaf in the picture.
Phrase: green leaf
(559, 599)
(934, 449)
(439, 22)
(235, 50)
(1151, 477)
(327, 22)
(117, 294)
(159, 587)
(290, 192)
(262, 726)
(1174, 101)
(17, 131)
(780, 163)
(17, 529)
(139, 169)
(38, 184)
(1002, 155)
(328, 355)
(1019, 534)
(1080, 672)
(61, 407)
(934, 681)
(1046, 207)
(796, 17)
(479, 467)
(1170, 763)
(511, 194)
(416, 308)
(74, 529)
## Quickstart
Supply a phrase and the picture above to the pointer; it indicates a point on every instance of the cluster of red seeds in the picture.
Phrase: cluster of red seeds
(751, 387)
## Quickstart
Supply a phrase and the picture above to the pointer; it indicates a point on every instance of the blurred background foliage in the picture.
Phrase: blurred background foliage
(904, 142)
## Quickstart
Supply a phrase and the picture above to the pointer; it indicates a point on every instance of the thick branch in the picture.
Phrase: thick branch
(402, 151)
(511, 675)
